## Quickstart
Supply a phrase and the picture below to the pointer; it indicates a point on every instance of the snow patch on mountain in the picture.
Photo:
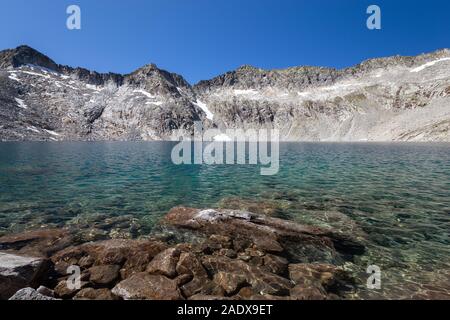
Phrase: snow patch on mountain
(35, 74)
(204, 107)
(145, 93)
(428, 64)
(13, 76)
(53, 133)
(21, 104)
(33, 128)
(240, 92)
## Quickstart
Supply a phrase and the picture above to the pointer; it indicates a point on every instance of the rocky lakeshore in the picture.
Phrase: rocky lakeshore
(210, 254)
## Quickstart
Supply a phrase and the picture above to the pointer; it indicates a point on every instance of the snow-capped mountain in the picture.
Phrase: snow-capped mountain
(387, 99)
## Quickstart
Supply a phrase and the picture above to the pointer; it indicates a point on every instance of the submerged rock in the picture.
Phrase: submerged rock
(241, 273)
(38, 243)
(265, 207)
(265, 233)
(323, 277)
(235, 255)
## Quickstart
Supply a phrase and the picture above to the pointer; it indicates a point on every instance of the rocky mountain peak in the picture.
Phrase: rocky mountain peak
(248, 68)
(156, 80)
(25, 55)
(383, 99)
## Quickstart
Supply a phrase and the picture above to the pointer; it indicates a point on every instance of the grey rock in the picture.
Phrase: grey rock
(17, 272)
(30, 294)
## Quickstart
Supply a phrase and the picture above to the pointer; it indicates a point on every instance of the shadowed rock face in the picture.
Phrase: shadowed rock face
(386, 99)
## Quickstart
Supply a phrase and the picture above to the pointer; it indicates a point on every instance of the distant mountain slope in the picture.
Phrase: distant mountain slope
(386, 99)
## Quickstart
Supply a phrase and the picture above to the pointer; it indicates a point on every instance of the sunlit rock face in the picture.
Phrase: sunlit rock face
(386, 99)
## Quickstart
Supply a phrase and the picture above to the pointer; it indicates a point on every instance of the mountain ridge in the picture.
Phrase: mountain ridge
(305, 103)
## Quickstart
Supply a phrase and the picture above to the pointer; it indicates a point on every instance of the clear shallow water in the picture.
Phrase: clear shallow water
(395, 196)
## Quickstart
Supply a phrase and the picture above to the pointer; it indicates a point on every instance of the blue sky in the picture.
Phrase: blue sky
(203, 38)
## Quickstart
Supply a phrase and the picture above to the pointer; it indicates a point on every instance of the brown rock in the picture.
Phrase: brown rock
(95, 294)
(223, 240)
(86, 262)
(205, 297)
(61, 267)
(104, 275)
(275, 264)
(260, 280)
(268, 297)
(266, 233)
(45, 291)
(323, 275)
(307, 293)
(165, 263)
(183, 279)
(230, 253)
(132, 255)
(206, 287)
(230, 282)
(62, 290)
(246, 293)
(144, 286)
(189, 264)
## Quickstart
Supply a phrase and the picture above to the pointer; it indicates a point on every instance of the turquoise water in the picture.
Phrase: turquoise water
(395, 196)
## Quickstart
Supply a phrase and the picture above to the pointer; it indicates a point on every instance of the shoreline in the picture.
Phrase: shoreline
(232, 254)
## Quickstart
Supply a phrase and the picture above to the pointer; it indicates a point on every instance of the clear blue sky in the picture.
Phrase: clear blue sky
(203, 38)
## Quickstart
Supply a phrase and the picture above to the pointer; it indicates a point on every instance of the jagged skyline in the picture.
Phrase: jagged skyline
(387, 99)
(201, 40)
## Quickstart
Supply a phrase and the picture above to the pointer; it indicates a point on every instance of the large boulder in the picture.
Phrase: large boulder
(268, 234)
(104, 275)
(165, 263)
(190, 264)
(18, 272)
